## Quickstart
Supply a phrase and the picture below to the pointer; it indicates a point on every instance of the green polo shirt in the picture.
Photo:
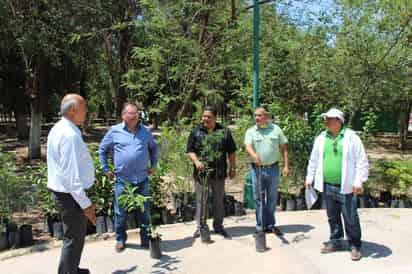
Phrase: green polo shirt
(265, 142)
(332, 158)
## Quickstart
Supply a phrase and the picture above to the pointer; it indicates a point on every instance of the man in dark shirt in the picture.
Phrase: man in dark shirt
(208, 146)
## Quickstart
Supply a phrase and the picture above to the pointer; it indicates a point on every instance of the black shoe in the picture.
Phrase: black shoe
(223, 233)
(274, 230)
(196, 234)
(83, 271)
(119, 247)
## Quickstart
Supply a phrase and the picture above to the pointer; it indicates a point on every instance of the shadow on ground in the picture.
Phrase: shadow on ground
(130, 270)
(166, 264)
(295, 228)
(375, 250)
(178, 244)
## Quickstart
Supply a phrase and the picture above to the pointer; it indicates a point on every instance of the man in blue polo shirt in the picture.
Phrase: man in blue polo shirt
(132, 147)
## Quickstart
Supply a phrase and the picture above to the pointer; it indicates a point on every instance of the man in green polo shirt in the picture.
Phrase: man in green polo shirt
(338, 166)
(265, 142)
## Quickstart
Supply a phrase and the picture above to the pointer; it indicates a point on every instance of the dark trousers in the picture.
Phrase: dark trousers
(74, 228)
(217, 185)
(337, 205)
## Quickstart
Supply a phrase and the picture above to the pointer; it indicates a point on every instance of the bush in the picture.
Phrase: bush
(13, 189)
(395, 176)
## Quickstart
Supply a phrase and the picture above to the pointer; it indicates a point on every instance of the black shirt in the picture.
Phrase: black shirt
(211, 148)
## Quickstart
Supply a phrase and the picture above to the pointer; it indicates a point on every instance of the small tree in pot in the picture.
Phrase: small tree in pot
(131, 201)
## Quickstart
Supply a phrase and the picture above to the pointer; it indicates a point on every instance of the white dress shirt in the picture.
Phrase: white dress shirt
(354, 162)
(69, 164)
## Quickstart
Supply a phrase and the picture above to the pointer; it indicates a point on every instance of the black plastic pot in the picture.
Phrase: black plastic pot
(239, 209)
(260, 241)
(26, 235)
(13, 235)
(300, 203)
(109, 224)
(155, 249)
(101, 225)
(131, 220)
(280, 194)
(48, 225)
(363, 201)
(58, 230)
(385, 197)
(166, 215)
(283, 203)
(188, 213)
(323, 205)
(290, 204)
(374, 202)
(402, 203)
(229, 203)
(205, 235)
(4, 241)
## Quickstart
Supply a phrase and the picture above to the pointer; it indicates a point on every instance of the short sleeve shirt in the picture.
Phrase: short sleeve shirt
(266, 142)
(212, 148)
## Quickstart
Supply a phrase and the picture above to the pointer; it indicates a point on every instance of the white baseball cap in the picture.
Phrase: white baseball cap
(334, 113)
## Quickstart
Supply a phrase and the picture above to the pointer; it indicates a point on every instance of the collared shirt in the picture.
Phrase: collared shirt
(219, 142)
(354, 162)
(70, 167)
(266, 141)
(332, 158)
(131, 152)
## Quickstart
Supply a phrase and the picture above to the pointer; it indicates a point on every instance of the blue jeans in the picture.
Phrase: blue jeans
(120, 214)
(338, 204)
(269, 179)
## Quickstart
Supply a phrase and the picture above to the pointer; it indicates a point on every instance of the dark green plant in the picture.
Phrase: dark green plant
(172, 155)
(159, 188)
(38, 176)
(15, 190)
(395, 175)
(102, 191)
(130, 200)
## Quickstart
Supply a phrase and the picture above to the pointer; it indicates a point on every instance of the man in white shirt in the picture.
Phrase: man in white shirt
(338, 165)
(70, 171)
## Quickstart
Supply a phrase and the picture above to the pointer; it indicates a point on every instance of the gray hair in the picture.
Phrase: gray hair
(127, 104)
(67, 105)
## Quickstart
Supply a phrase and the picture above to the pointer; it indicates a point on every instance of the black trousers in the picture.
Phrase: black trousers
(218, 192)
(74, 228)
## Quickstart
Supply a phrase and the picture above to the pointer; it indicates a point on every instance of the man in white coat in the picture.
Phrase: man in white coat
(338, 167)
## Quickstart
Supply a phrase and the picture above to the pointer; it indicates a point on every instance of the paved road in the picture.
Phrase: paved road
(387, 249)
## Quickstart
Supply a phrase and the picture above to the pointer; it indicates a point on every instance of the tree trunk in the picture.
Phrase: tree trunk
(35, 129)
(403, 125)
(36, 88)
(124, 48)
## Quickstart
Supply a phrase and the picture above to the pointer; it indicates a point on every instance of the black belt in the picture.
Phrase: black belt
(265, 166)
(332, 184)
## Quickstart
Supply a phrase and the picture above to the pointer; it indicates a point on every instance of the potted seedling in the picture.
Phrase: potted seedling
(260, 235)
(4, 242)
(155, 239)
(131, 201)
(209, 156)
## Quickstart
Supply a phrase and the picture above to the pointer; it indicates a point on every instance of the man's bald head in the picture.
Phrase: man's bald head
(263, 111)
(73, 107)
